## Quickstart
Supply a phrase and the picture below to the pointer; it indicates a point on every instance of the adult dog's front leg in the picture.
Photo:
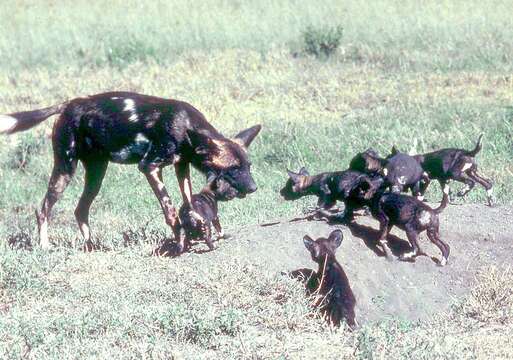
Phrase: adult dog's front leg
(154, 177)
(183, 175)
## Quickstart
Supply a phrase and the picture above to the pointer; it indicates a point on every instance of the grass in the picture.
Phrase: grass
(434, 74)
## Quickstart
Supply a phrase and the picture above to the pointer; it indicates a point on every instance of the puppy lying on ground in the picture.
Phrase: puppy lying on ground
(400, 171)
(335, 296)
(197, 218)
(330, 187)
(455, 164)
(410, 215)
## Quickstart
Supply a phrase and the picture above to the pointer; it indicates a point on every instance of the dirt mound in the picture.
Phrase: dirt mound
(478, 236)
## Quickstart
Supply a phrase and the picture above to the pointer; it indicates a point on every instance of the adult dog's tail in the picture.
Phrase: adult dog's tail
(25, 120)
(478, 147)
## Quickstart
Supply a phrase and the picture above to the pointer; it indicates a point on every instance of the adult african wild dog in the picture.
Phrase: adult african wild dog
(131, 128)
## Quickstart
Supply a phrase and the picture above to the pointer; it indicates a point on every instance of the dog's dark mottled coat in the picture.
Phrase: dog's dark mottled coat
(130, 128)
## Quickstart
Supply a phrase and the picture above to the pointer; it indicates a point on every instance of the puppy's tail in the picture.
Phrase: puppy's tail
(25, 120)
(445, 200)
(479, 146)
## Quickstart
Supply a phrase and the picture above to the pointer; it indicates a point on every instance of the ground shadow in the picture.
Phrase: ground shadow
(370, 237)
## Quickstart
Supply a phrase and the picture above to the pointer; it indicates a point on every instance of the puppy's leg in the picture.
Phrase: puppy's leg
(433, 235)
(412, 235)
(486, 183)
(94, 174)
(384, 230)
(217, 226)
(207, 235)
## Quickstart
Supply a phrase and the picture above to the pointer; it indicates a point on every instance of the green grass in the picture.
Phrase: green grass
(435, 74)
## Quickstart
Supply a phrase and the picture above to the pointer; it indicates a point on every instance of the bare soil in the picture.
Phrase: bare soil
(479, 236)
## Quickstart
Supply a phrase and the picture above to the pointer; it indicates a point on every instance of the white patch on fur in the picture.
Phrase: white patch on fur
(443, 262)
(139, 138)
(466, 188)
(489, 192)
(114, 98)
(385, 171)
(409, 255)
(425, 174)
(402, 180)
(446, 189)
(84, 229)
(7, 123)
(420, 198)
(43, 235)
(130, 107)
(466, 166)
(425, 217)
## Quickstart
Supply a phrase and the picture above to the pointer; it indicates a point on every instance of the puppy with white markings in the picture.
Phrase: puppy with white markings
(410, 215)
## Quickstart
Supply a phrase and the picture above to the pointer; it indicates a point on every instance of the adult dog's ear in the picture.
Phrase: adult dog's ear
(200, 142)
(246, 137)
(394, 150)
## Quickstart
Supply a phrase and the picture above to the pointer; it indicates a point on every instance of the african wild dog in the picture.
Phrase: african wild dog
(329, 187)
(400, 171)
(197, 224)
(335, 296)
(410, 215)
(130, 128)
(455, 164)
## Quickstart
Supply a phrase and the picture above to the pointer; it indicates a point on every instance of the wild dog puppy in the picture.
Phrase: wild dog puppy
(336, 298)
(410, 215)
(455, 164)
(197, 224)
(130, 128)
(401, 171)
(329, 187)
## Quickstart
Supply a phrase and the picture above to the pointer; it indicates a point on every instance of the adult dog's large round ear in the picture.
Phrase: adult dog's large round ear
(246, 137)
(335, 238)
(200, 142)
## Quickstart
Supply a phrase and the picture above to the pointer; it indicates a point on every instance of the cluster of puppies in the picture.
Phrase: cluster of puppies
(376, 183)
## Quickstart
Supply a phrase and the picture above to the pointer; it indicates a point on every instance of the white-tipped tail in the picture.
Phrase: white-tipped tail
(7, 123)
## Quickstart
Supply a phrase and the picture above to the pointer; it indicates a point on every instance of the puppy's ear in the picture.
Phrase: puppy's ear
(304, 172)
(335, 238)
(246, 137)
(394, 150)
(294, 177)
(310, 245)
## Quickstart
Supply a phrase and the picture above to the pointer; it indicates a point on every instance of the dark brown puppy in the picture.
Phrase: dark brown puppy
(130, 128)
(330, 187)
(197, 224)
(455, 164)
(336, 298)
(410, 215)
(400, 171)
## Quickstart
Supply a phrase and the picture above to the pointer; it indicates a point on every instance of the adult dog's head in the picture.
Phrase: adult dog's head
(226, 161)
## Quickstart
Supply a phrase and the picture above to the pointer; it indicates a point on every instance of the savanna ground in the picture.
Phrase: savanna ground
(420, 75)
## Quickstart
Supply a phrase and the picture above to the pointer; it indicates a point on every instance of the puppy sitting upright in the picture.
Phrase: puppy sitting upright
(329, 187)
(410, 215)
(196, 222)
(401, 171)
(455, 164)
(337, 300)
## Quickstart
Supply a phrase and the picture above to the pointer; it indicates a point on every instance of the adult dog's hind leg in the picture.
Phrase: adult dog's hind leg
(94, 174)
(486, 183)
(62, 173)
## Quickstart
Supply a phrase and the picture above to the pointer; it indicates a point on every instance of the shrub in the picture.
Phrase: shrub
(322, 42)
